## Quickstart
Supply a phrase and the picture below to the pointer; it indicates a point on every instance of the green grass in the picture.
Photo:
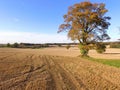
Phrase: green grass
(111, 62)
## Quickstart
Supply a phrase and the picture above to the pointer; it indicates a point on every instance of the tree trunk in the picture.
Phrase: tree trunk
(83, 50)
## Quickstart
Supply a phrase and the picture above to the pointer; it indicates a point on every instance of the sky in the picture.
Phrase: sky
(37, 21)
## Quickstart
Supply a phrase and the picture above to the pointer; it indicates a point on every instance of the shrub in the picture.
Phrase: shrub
(100, 48)
(8, 45)
(15, 45)
(68, 46)
(59, 45)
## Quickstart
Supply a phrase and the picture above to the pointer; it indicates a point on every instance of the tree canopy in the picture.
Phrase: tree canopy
(86, 22)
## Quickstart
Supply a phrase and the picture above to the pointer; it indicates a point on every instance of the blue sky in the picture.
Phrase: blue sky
(37, 21)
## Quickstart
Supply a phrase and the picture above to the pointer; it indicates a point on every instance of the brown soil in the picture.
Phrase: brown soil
(27, 69)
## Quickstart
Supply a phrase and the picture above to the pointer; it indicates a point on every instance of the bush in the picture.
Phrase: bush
(59, 45)
(15, 45)
(8, 45)
(68, 46)
(100, 48)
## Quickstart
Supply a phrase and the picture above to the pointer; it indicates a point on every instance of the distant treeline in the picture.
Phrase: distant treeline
(67, 45)
(113, 44)
(108, 43)
(31, 45)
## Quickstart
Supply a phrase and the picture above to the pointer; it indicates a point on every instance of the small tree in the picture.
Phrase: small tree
(100, 47)
(15, 45)
(8, 45)
(86, 23)
(68, 46)
(59, 45)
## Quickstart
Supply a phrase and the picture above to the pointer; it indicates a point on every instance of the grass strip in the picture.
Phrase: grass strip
(110, 62)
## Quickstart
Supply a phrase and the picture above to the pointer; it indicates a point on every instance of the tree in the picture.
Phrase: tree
(15, 45)
(68, 46)
(86, 23)
(8, 45)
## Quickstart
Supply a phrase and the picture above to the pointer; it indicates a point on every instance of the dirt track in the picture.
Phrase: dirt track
(33, 71)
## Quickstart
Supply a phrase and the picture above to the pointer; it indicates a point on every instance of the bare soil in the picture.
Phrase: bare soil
(55, 69)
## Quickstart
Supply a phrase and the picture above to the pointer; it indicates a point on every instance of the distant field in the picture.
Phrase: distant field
(56, 69)
(110, 53)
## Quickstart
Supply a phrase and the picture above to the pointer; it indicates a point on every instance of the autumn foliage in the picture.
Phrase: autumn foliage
(87, 23)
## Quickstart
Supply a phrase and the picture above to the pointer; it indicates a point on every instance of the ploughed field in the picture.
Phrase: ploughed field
(28, 69)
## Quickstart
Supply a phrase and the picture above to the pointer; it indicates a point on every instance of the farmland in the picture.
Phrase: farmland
(57, 69)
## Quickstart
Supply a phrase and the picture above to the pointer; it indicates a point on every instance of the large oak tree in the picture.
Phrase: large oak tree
(87, 23)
